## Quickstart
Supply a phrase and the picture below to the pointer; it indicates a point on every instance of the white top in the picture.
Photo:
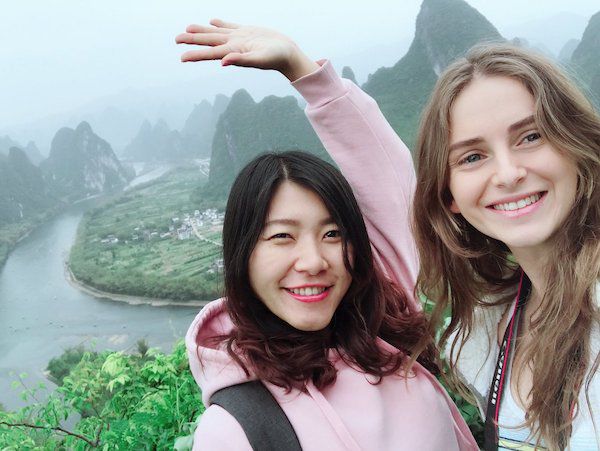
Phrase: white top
(513, 437)
(476, 367)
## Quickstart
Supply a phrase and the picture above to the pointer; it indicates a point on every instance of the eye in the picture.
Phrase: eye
(280, 236)
(470, 159)
(531, 138)
(333, 234)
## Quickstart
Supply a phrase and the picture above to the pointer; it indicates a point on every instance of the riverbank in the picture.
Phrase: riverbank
(131, 300)
(12, 234)
(152, 242)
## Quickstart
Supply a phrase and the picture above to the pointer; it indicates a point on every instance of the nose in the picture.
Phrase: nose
(310, 257)
(509, 170)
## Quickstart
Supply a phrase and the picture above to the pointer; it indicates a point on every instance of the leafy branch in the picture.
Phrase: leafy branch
(60, 429)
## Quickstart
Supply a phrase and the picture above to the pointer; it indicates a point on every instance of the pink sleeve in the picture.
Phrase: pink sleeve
(219, 431)
(375, 161)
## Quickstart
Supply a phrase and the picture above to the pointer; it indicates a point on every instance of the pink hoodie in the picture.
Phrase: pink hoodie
(352, 414)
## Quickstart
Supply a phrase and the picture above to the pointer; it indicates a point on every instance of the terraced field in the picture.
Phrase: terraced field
(133, 245)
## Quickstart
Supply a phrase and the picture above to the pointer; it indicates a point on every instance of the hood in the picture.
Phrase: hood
(210, 364)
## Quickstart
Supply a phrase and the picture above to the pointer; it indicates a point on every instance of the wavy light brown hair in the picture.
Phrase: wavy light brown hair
(464, 267)
(372, 307)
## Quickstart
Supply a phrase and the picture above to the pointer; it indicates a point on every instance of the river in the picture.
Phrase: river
(41, 314)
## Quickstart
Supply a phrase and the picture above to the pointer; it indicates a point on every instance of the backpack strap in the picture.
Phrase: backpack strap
(265, 424)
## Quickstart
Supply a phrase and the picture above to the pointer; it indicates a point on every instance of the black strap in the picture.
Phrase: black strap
(260, 415)
(490, 430)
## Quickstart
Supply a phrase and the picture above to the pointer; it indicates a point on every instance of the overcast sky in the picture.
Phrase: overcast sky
(58, 55)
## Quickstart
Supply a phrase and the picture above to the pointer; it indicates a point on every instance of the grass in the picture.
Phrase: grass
(149, 266)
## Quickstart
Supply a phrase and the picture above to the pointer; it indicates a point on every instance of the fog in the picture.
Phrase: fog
(66, 60)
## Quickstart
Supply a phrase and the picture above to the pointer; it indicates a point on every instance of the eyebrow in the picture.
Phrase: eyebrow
(522, 123)
(511, 129)
(294, 222)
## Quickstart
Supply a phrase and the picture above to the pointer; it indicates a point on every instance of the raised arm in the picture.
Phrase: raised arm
(245, 46)
(349, 123)
(375, 161)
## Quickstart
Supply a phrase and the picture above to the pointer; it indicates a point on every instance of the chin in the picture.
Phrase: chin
(310, 326)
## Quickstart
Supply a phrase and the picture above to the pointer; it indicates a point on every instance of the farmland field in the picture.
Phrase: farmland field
(152, 242)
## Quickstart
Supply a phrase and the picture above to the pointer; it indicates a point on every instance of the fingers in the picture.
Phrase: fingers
(254, 59)
(222, 24)
(193, 28)
(211, 39)
(235, 59)
(205, 54)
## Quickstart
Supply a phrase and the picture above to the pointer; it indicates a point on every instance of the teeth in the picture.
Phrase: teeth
(308, 291)
(522, 203)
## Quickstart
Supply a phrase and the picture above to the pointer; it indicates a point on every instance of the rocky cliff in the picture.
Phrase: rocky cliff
(586, 58)
(246, 129)
(23, 191)
(82, 164)
(445, 29)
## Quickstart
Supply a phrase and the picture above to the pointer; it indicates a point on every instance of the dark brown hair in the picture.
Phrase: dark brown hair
(373, 306)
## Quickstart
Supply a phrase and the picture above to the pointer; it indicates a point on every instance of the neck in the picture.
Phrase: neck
(533, 264)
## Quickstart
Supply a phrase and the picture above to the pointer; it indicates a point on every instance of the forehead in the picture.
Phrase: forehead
(293, 201)
(489, 105)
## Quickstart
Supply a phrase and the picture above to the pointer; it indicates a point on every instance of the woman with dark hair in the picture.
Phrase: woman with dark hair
(308, 314)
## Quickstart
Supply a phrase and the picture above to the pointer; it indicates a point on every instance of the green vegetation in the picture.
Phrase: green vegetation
(445, 29)
(114, 401)
(119, 248)
(60, 367)
(246, 129)
(11, 233)
(25, 200)
(118, 401)
(585, 59)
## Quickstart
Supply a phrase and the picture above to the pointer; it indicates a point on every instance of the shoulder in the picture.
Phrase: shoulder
(219, 431)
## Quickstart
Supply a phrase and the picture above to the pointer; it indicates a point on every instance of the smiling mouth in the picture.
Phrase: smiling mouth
(309, 294)
(521, 203)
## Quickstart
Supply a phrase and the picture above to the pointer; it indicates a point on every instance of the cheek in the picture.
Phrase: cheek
(453, 192)
(252, 266)
(350, 253)
(454, 207)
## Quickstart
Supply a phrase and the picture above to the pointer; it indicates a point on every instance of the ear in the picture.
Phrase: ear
(453, 207)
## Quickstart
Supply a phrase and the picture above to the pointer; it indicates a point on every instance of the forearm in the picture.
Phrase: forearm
(298, 65)
(374, 160)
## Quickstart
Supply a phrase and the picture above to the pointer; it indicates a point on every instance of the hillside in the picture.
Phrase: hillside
(200, 126)
(585, 58)
(246, 129)
(23, 191)
(155, 143)
(31, 150)
(445, 29)
(82, 164)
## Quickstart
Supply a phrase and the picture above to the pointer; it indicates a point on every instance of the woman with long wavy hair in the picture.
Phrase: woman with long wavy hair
(507, 206)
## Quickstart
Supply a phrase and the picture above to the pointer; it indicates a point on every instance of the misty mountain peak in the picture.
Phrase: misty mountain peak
(348, 74)
(241, 97)
(84, 127)
(221, 101)
(445, 28)
(146, 126)
(585, 58)
(82, 163)
(161, 126)
(18, 156)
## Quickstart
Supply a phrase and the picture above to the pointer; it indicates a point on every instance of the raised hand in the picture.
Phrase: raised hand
(246, 46)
